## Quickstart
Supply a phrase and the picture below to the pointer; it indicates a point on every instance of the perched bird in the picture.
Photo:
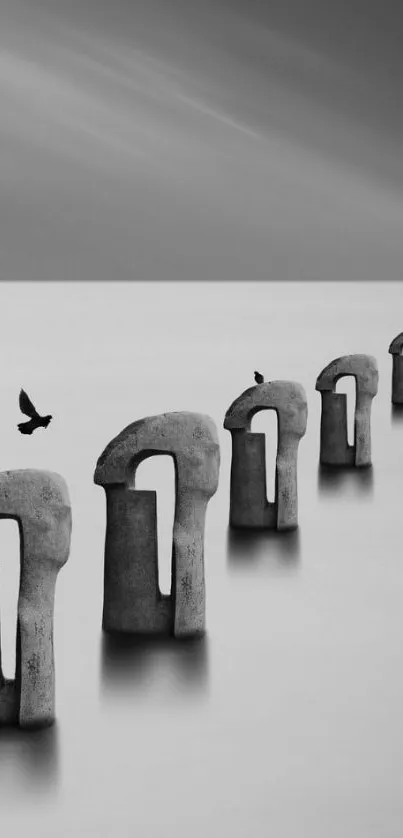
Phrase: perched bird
(36, 421)
(259, 378)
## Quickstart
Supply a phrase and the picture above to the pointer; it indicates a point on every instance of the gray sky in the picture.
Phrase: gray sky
(200, 140)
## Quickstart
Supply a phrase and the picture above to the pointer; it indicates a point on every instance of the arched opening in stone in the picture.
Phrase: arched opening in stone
(157, 473)
(347, 385)
(266, 422)
(10, 567)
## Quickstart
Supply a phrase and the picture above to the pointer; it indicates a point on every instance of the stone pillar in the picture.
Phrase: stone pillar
(39, 501)
(395, 350)
(249, 507)
(334, 447)
(132, 599)
(131, 564)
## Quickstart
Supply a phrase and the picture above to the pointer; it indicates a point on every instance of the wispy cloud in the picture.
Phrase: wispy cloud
(167, 146)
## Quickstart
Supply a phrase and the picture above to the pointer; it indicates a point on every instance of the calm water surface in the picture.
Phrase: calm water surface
(286, 719)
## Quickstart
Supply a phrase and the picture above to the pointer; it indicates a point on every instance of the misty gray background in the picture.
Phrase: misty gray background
(287, 718)
(201, 140)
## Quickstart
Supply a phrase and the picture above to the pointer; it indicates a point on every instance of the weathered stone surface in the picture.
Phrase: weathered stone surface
(132, 599)
(249, 506)
(395, 349)
(39, 502)
(334, 447)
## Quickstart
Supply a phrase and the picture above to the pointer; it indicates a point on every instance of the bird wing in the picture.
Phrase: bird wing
(27, 407)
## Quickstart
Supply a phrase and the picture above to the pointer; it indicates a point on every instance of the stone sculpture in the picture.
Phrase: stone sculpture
(334, 447)
(132, 599)
(395, 350)
(249, 507)
(39, 502)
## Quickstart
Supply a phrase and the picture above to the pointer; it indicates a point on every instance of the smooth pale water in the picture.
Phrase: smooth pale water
(286, 718)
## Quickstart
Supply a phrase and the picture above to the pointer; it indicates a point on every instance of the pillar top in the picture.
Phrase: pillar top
(190, 438)
(364, 368)
(396, 346)
(288, 398)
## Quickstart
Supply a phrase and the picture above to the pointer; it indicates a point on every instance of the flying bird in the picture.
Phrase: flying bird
(259, 377)
(36, 421)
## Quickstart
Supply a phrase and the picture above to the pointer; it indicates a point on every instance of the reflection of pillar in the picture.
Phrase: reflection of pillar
(132, 599)
(334, 447)
(40, 503)
(395, 350)
(249, 506)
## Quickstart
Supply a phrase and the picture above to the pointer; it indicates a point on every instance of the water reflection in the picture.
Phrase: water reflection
(269, 550)
(29, 758)
(337, 479)
(133, 663)
(397, 414)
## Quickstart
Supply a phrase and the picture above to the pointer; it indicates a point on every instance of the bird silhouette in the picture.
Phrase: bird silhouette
(259, 377)
(36, 421)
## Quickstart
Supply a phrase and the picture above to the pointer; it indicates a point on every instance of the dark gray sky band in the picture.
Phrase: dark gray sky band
(201, 140)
